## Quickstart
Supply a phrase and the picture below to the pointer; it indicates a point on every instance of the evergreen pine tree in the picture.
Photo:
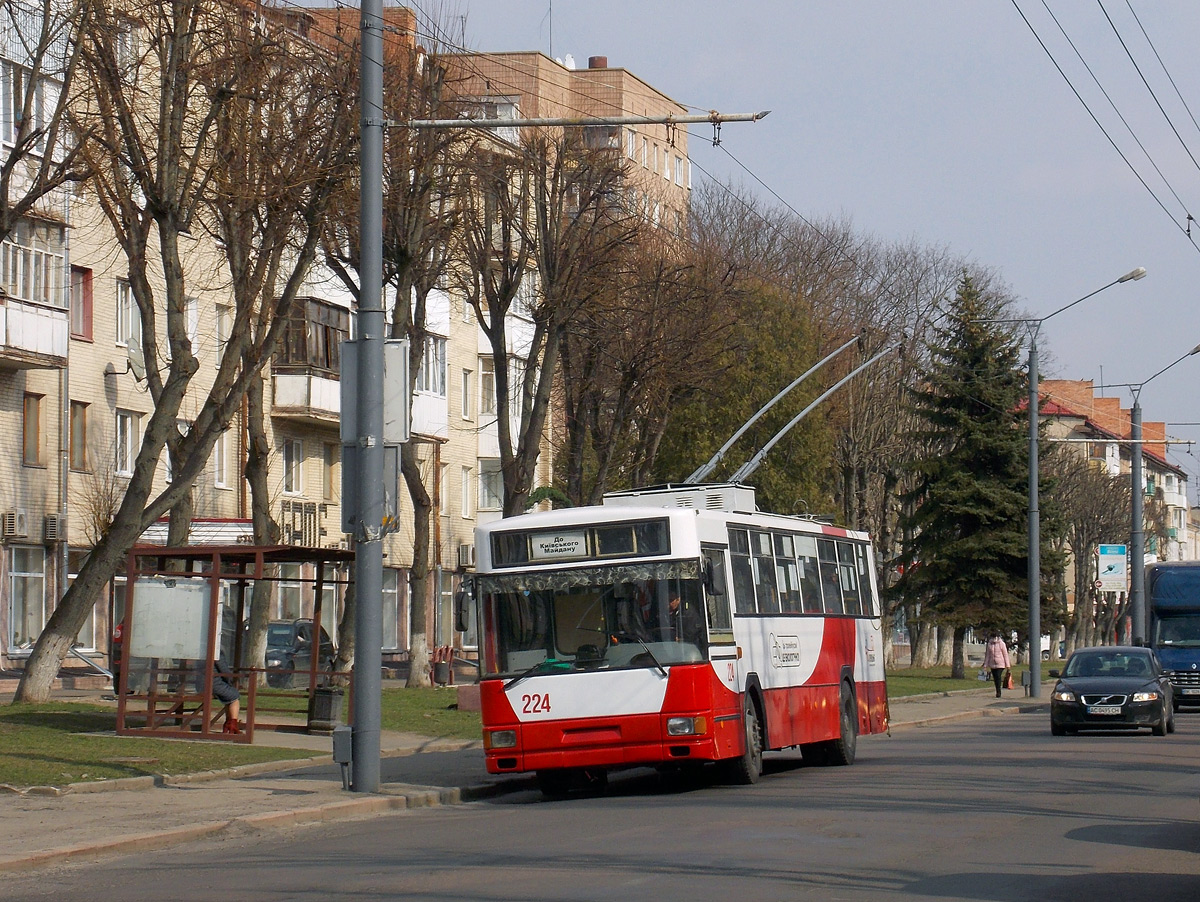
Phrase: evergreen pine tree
(967, 555)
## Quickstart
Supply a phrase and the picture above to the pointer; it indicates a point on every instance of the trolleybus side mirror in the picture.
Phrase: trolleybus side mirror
(462, 598)
(708, 576)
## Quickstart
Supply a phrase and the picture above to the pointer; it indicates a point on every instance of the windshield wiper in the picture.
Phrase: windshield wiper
(621, 634)
(529, 672)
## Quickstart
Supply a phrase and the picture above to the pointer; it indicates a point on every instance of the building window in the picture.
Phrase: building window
(467, 378)
(487, 386)
(78, 439)
(431, 377)
(491, 485)
(645, 152)
(129, 318)
(393, 623)
(468, 311)
(126, 442)
(31, 434)
(291, 592)
(679, 171)
(31, 263)
(293, 457)
(86, 637)
(221, 461)
(328, 470)
(81, 303)
(184, 427)
(27, 595)
(314, 332)
(465, 493)
(224, 325)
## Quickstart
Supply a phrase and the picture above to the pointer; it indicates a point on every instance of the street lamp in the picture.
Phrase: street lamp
(1137, 577)
(1035, 539)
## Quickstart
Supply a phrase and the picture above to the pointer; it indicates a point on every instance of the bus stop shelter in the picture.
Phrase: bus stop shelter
(185, 608)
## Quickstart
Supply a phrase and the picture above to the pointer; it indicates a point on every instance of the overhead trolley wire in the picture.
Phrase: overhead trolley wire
(1145, 82)
(1166, 72)
(1116, 110)
(1100, 125)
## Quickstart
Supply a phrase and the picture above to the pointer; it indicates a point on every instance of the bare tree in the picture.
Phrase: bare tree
(554, 205)
(1094, 508)
(419, 216)
(160, 120)
(43, 38)
(654, 332)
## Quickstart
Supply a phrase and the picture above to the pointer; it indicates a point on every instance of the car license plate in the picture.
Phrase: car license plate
(1104, 709)
(1189, 691)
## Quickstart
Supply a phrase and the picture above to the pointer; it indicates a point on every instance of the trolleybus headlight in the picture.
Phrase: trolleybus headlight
(1063, 695)
(685, 726)
(1145, 696)
(500, 739)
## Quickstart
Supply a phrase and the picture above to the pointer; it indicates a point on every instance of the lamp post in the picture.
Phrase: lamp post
(1035, 538)
(1140, 626)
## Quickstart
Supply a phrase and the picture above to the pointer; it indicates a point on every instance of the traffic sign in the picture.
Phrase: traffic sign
(1112, 568)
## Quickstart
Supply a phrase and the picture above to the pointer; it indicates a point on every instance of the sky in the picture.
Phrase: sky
(948, 124)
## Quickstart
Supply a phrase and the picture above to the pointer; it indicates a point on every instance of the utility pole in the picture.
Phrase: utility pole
(370, 491)
(369, 505)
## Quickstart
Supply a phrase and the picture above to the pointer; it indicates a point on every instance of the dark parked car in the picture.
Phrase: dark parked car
(1112, 687)
(289, 653)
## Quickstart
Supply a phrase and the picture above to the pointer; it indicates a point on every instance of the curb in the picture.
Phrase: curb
(400, 798)
(1026, 708)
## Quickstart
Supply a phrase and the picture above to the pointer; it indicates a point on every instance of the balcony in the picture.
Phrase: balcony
(306, 394)
(32, 336)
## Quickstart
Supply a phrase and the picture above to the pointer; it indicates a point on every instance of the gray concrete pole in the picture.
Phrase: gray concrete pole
(1035, 535)
(368, 562)
(1137, 536)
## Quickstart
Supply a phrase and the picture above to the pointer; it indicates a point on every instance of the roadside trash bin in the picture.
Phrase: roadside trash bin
(325, 709)
(443, 659)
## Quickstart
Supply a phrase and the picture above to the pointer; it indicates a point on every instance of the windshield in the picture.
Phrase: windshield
(1108, 664)
(279, 635)
(588, 618)
(1182, 631)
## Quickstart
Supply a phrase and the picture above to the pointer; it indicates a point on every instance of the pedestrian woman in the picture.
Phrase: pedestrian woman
(995, 658)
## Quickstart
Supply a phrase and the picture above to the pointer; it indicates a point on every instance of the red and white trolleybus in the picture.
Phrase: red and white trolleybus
(674, 626)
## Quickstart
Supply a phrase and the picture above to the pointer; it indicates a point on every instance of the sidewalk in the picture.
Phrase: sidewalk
(45, 825)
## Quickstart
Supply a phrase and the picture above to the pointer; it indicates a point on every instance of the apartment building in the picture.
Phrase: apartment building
(531, 85)
(74, 401)
(1099, 428)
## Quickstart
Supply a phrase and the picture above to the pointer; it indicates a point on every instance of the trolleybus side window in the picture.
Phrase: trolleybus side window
(810, 576)
(831, 587)
(787, 574)
(848, 576)
(766, 591)
(869, 606)
(716, 596)
(743, 571)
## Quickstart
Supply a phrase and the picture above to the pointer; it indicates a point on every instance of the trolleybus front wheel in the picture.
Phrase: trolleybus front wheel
(747, 767)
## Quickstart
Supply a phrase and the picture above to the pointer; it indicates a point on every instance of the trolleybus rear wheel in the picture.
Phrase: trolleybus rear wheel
(841, 751)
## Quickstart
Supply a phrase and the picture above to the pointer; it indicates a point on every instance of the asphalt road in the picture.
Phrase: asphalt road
(985, 809)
